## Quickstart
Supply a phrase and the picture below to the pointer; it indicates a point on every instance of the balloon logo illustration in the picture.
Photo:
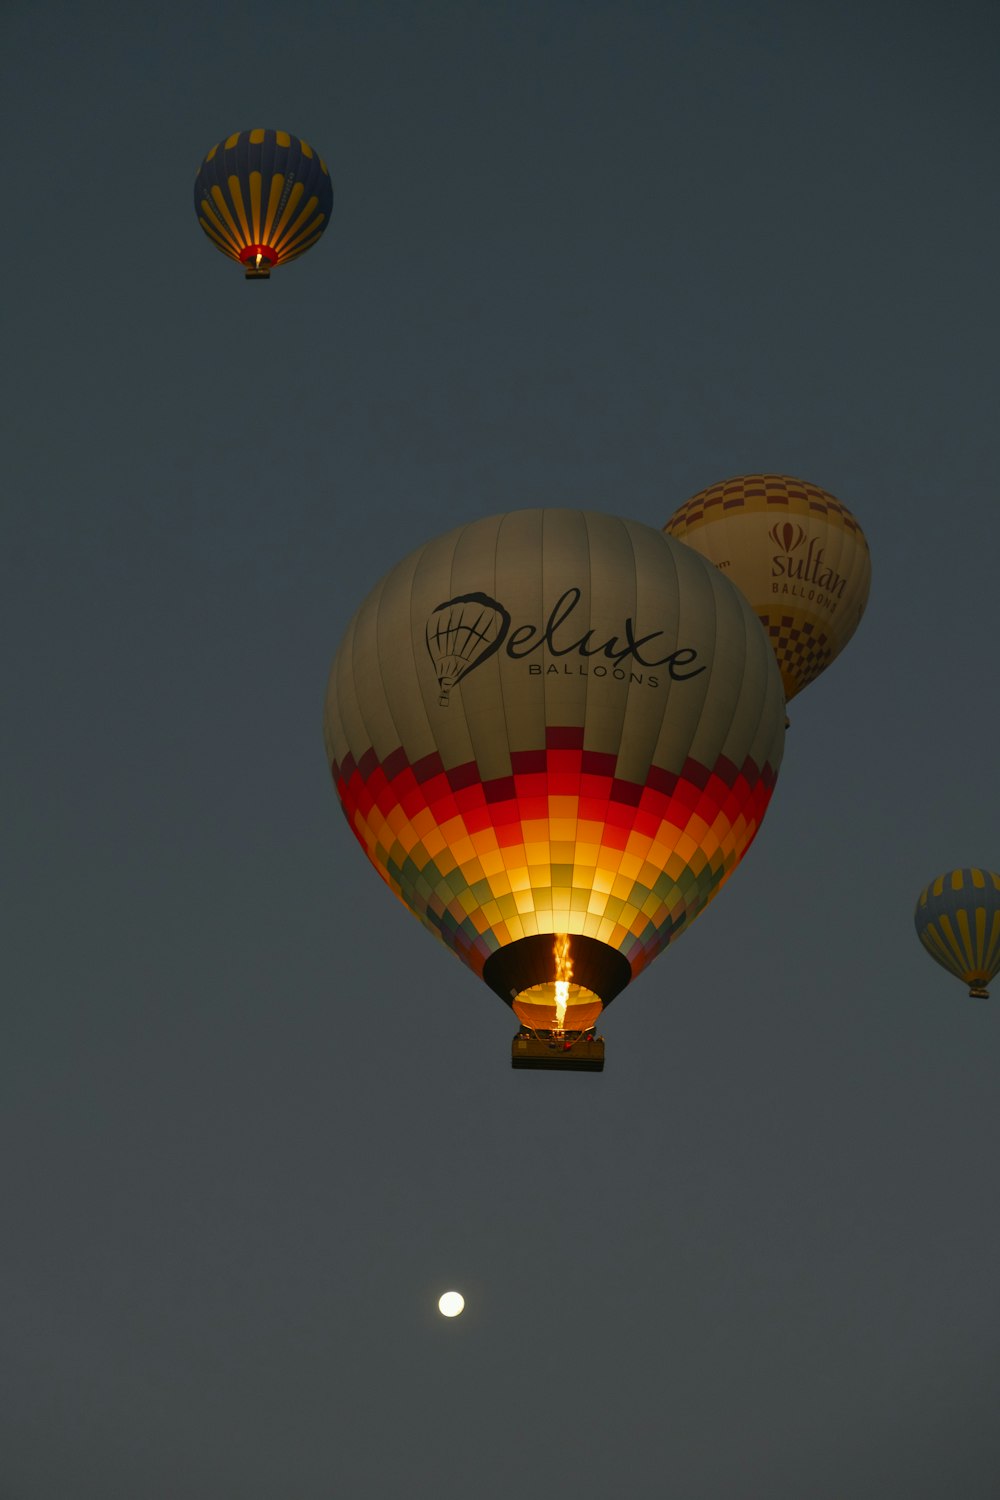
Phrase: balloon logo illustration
(787, 537)
(461, 634)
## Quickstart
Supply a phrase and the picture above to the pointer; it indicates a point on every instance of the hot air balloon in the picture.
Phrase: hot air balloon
(263, 197)
(796, 553)
(555, 734)
(958, 921)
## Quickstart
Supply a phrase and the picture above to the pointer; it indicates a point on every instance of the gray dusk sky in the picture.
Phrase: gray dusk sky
(254, 1120)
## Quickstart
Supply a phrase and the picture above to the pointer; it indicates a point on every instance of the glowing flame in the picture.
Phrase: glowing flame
(259, 259)
(564, 973)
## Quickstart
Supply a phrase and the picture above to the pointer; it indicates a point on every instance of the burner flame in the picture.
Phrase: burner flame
(564, 973)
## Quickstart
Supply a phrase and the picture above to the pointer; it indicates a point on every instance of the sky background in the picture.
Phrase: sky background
(253, 1119)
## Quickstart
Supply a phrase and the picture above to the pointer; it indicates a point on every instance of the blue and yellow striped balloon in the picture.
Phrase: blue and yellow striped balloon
(263, 197)
(958, 922)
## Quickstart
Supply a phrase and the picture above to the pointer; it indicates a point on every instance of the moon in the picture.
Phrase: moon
(451, 1304)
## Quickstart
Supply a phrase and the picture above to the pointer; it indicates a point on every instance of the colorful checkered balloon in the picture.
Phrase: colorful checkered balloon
(555, 722)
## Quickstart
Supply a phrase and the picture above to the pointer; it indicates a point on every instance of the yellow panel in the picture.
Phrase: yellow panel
(255, 181)
(978, 879)
(991, 950)
(307, 150)
(289, 209)
(525, 901)
(963, 926)
(273, 199)
(236, 194)
(231, 141)
(256, 136)
(939, 885)
(950, 941)
(283, 138)
(287, 236)
(956, 880)
(218, 198)
(519, 878)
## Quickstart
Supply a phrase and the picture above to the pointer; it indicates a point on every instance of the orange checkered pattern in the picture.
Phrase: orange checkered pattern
(759, 492)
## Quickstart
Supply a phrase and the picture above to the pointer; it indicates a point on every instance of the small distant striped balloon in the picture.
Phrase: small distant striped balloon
(263, 197)
(958, 922)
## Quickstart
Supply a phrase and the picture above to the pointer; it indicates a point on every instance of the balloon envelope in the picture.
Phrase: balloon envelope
(263, 197)
(549, 722)
(796, 553)
(958, 921)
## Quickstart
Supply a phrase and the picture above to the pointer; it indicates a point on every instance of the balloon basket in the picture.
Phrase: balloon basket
(571, 1051)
